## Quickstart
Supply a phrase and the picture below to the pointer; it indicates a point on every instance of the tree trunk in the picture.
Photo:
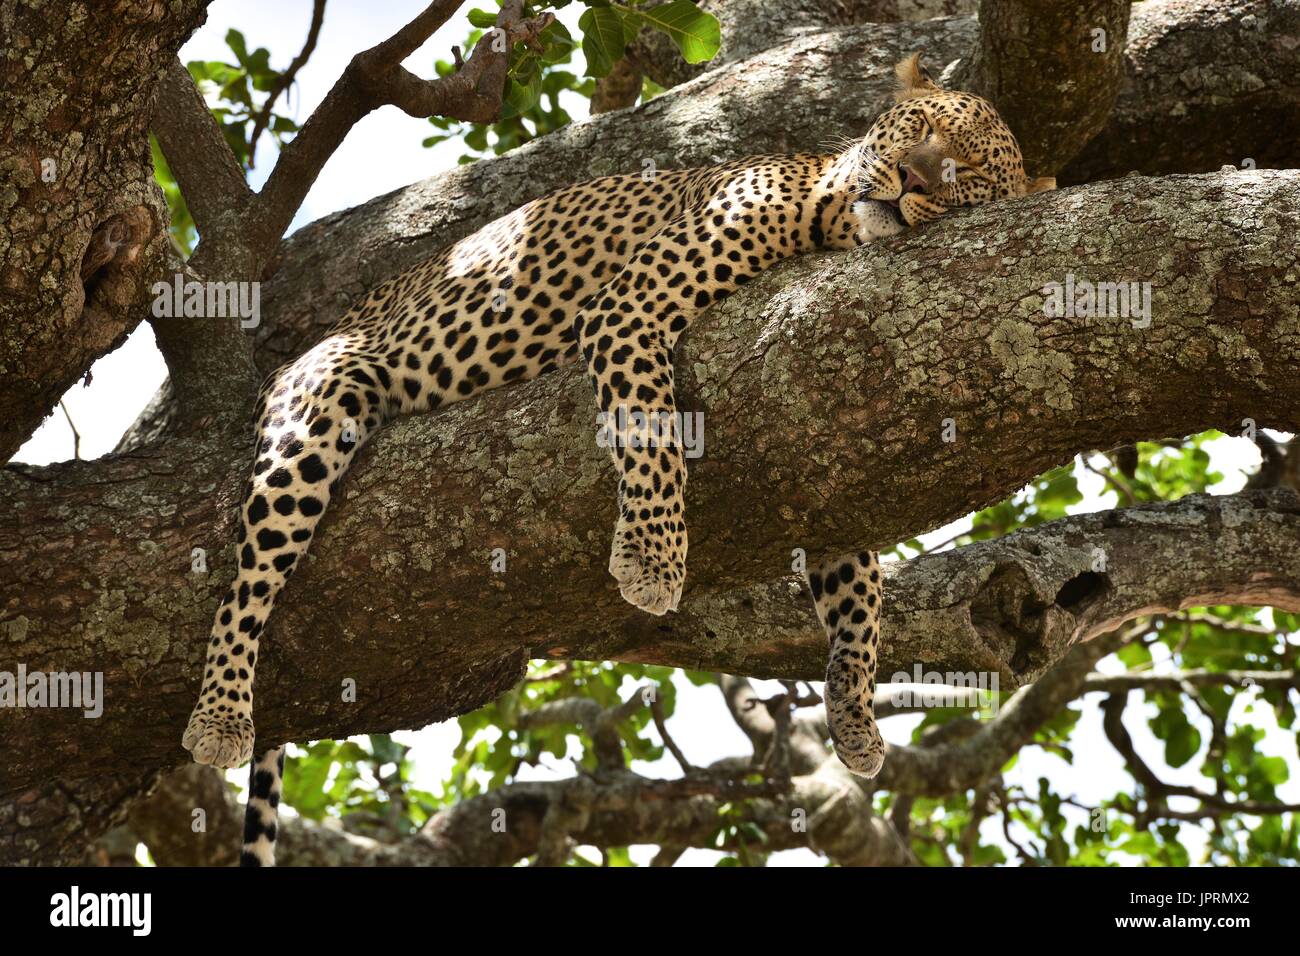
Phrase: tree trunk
(82, 224)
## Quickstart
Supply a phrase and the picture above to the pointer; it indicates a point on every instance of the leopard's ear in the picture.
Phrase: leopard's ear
(913, 79)
(1041, 184)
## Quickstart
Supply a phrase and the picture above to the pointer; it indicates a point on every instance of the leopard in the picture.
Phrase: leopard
(609, 273)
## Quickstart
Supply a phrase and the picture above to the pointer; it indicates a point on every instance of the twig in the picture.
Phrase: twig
(777, 762)
(1241, 627)
(285, 80)
(1123, 487)
(1184, 680)
(981, 806)
(657, 712)
(1158, 792)
(76, 435)
(973, 529)
(554, 673)
(1029, 858)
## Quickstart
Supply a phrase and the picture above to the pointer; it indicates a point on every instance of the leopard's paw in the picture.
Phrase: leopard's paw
(220, 740)
(650, 570)
(862, 753)
(851, 718)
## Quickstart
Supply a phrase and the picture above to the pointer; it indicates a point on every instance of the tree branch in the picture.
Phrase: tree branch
(971, 761)
(826, 376)
(206, 170)
(844, 79)
(375, 78)
(1242, 103)
(209, 358)
(752, 26)
(1157, 792)
(84, 227)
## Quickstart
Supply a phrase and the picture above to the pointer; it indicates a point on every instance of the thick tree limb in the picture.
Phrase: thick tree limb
(212, 374)
(824, 386)
(56, 821)
(210, 359)
(802, 96)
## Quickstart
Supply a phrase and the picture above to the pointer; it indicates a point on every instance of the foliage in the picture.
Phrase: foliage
(367, 780)
(494, 748)
(538, 81)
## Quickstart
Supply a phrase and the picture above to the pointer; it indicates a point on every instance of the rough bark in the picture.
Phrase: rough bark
(618, 809)
(87, 520)
(1012, 606)
(81, 222)
(816, 382)
(818, 805)
(56, 821)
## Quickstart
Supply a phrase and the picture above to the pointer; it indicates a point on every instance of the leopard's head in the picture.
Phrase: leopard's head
(936, 149)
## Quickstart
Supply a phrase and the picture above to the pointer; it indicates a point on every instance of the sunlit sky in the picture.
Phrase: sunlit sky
(384, 153)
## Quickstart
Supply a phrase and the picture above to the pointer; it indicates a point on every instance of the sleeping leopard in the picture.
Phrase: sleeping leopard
(609, 272)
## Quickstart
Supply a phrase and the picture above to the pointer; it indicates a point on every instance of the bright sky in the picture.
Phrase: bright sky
(384, 153)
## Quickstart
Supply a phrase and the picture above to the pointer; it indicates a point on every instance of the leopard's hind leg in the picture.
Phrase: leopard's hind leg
(847, 594)
(313, 416)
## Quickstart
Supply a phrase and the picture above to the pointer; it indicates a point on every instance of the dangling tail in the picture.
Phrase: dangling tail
(265, 774)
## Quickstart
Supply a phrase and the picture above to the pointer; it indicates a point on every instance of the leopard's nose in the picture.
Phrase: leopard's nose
(913, 181)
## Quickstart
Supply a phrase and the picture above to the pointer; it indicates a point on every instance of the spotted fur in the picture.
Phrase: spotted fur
(609, 272)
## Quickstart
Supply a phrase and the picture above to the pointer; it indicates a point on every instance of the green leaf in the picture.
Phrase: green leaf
(558, 41)
(604, 38)
(1272, 769)
(235, 40)
(1134, 655)
(482, 18)
(697, 34)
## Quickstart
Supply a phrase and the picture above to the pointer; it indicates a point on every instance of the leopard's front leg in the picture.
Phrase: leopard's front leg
(627, 333)
(633, 379)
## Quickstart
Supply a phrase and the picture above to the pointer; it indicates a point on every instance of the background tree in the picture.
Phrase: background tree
(831, 375)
